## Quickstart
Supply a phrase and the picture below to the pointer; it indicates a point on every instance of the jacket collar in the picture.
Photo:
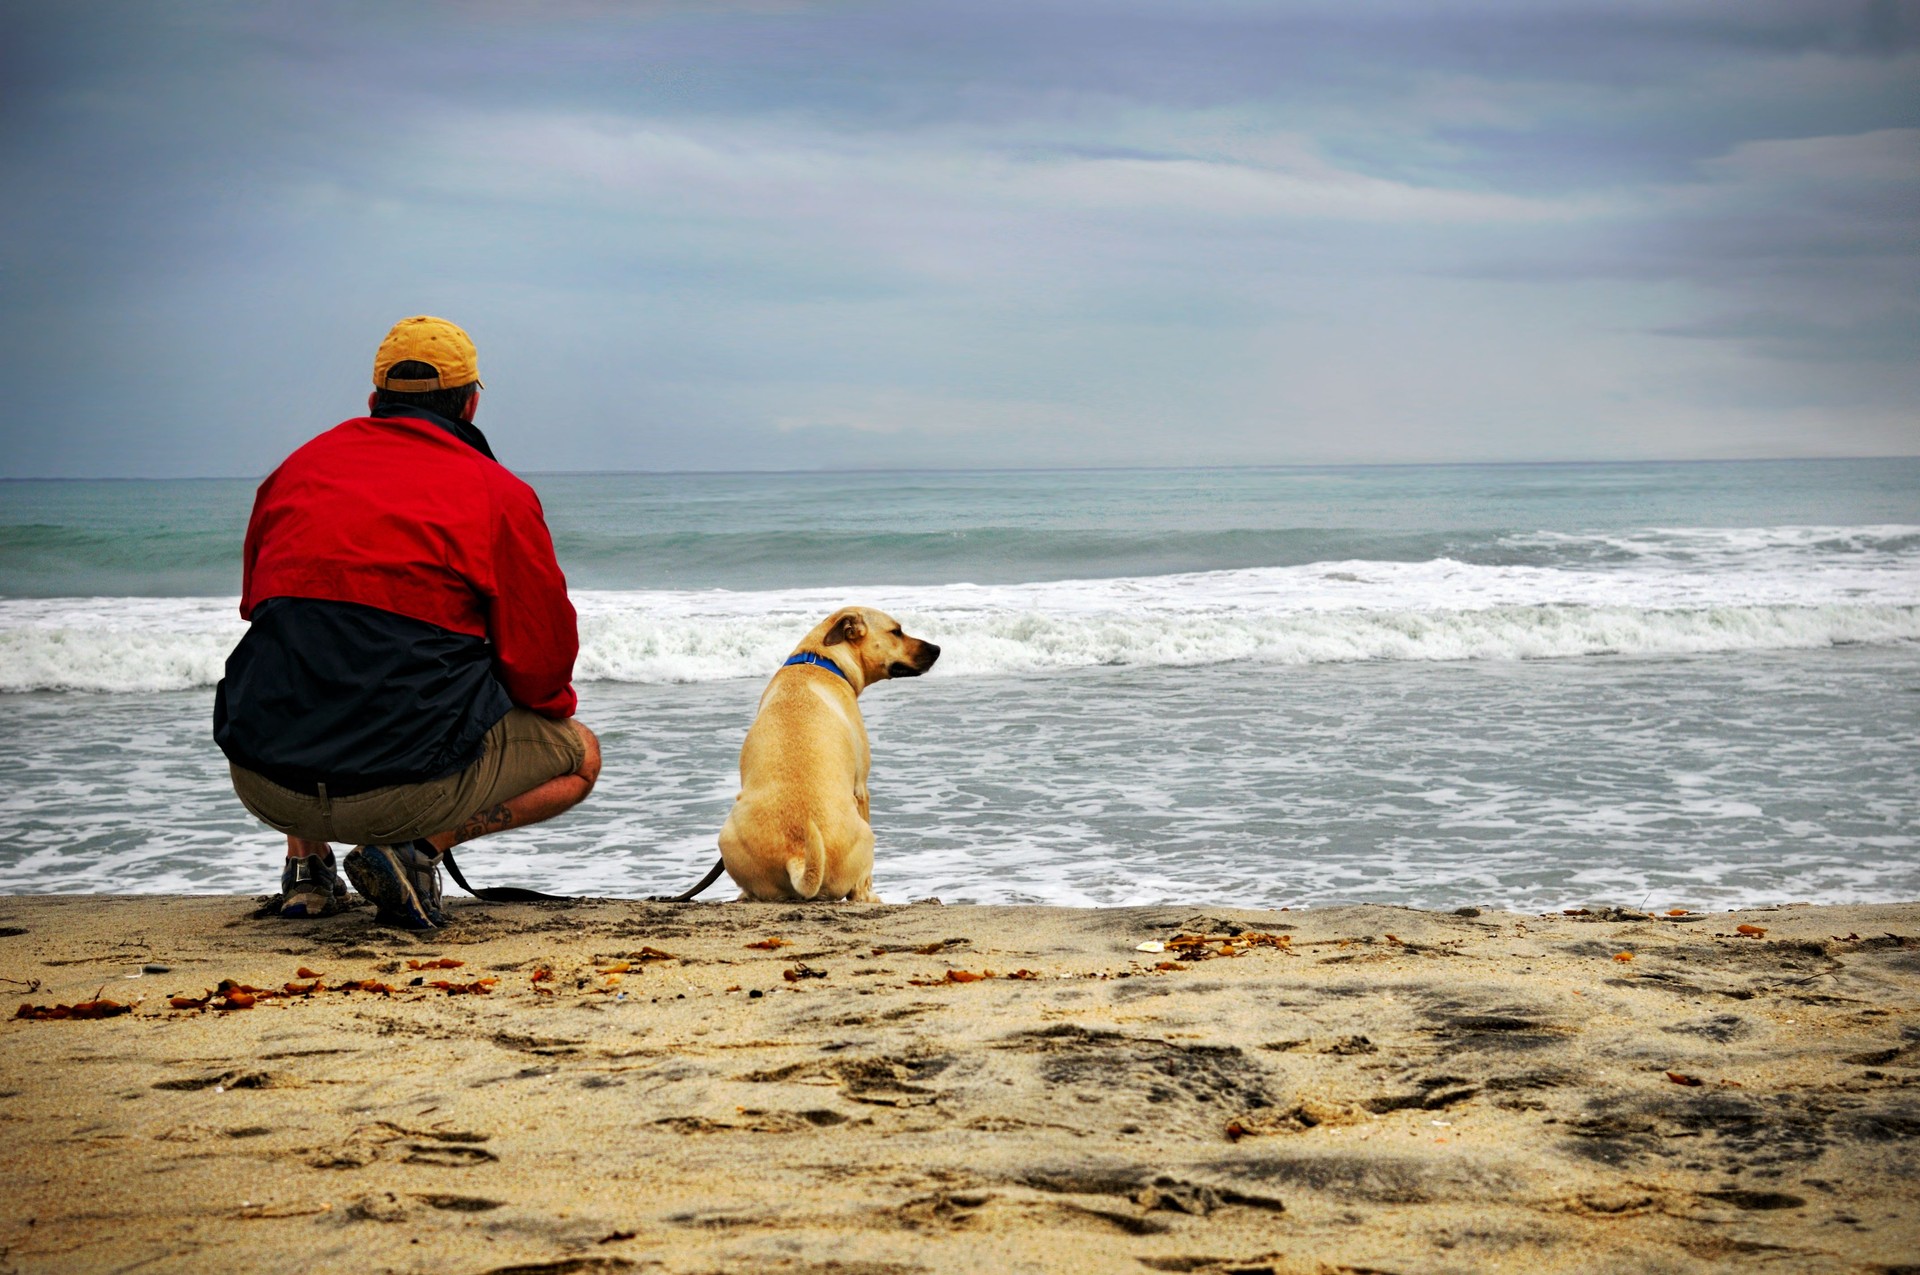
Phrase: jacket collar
(465, 431)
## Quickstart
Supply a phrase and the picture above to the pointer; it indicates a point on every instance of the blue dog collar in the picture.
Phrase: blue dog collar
(808, 657)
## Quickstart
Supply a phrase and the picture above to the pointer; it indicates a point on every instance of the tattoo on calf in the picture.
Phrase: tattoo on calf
(478, 825)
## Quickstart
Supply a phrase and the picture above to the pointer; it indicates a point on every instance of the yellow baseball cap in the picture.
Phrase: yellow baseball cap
(441, 345)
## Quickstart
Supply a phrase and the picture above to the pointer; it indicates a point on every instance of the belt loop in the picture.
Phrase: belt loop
(326, 810)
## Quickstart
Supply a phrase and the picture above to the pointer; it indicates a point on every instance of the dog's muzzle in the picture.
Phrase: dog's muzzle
(928, 654)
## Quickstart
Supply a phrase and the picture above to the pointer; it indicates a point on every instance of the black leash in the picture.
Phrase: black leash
(498, 893)
(514, 894)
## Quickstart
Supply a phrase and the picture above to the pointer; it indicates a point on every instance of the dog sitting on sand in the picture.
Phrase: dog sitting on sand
(799, 828)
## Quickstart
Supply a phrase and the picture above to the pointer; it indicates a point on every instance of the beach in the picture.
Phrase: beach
(610, 1086)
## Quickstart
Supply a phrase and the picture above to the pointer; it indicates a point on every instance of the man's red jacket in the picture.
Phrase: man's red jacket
(403, 594)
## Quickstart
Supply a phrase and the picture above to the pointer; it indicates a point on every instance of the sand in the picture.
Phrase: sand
(1385, 1090)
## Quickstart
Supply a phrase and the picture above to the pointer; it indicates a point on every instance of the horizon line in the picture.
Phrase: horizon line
(1037, 469)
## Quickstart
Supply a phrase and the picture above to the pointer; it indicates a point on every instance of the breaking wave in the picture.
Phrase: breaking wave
(1317, 613)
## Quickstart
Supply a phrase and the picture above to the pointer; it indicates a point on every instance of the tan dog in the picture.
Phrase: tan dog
(799, 828)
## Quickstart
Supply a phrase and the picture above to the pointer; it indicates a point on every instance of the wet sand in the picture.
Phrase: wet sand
(1367, 1089)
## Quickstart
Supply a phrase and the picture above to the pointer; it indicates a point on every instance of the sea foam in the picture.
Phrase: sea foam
(1767, 589)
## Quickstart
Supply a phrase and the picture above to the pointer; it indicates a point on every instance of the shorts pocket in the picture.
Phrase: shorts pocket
(398, 814)
(288, 826)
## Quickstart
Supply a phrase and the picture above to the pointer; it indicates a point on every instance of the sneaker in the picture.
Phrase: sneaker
(423, 869)
(393, 878)
(310, 886)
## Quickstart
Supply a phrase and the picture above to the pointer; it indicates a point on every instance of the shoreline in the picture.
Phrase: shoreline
(1350, 1087)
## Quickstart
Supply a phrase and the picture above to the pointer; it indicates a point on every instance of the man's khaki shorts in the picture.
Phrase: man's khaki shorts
(522, 751)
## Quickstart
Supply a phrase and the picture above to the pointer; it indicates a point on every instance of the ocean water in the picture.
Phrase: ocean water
(1524, 686)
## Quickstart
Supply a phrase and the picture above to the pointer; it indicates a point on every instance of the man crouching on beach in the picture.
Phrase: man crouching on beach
(406, 682)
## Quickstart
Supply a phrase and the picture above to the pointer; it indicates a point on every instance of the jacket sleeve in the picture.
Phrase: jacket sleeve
(535, 633)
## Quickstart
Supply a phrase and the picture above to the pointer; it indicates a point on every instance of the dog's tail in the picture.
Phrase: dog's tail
(808, 870)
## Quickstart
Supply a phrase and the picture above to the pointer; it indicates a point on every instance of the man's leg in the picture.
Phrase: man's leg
(309, 881)
(403, 879)
(543, 801)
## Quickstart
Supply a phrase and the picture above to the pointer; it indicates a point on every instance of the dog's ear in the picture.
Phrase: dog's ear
(851, 628)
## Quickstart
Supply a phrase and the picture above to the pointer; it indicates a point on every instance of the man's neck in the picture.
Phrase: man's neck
(466, 431)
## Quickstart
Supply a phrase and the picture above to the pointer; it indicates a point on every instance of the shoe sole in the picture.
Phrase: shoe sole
(379, 878)
(313, 904)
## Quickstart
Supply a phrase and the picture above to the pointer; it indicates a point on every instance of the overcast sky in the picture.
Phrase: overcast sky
(802, 235)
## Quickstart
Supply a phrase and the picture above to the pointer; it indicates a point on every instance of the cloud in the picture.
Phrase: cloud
(733, 173)
(702, 235)
(1891, 336)
(1810, 244)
